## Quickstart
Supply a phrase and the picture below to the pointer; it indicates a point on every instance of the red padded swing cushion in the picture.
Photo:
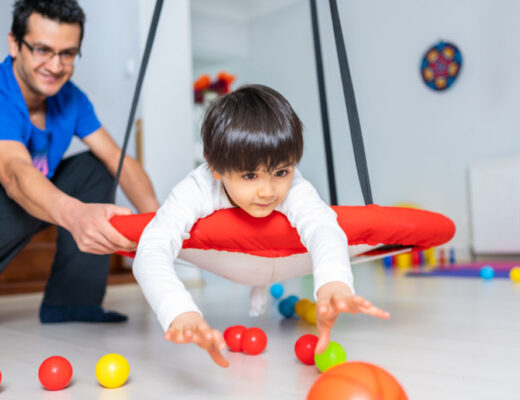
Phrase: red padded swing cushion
(234, 230)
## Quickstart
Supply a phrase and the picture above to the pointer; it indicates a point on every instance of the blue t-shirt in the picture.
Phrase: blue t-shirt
(69, 112)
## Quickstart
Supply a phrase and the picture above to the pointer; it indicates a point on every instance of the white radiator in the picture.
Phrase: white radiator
(494, 194)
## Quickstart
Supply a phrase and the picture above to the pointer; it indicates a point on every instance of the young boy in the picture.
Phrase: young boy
(252, 142)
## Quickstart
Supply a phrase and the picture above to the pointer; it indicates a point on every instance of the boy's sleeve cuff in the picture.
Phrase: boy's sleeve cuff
(340, 274)
(172, 307)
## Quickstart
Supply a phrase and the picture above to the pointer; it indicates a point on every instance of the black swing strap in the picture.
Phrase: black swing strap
(323, 105)
(350, 102)
(137, 92)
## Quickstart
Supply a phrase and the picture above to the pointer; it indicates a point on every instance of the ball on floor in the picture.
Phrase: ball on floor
(333, 355)
(356, 380)
(286, 307)
(112, 370)
(487, 272)
(254, 341)
(276, 290)
(304, 348)
(55, 373)
(233, 337)
(301, 307)
(514, 274)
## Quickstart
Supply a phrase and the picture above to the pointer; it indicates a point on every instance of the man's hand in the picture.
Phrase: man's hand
(89, 224)
(335, 298)
(189, 327)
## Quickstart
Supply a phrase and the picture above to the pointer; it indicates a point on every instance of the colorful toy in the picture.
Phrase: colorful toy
(416, 258)
(55, 373)
(441, 65)
(233, 337)
(487, 272)
(356, 380)
(310, 314)
(452, 256)
(514, 274)
(442, 257)
(304, 348)
(0, 376)
(333, 355)
(112, 370)
(301, 307)
(254, 341)
(276, 290)
(286, 307)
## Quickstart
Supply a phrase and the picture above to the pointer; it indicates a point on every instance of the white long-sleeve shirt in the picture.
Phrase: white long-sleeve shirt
(199, 195)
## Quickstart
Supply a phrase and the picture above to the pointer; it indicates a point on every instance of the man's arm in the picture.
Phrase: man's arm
(88, 223)
(133, 179)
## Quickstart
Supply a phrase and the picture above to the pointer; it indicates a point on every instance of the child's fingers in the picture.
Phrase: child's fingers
(358, 301)
(323, 339)
(174, 335)
(339, 303)
(214, 351)
(204, 332)
(322, 308)
(375, 312)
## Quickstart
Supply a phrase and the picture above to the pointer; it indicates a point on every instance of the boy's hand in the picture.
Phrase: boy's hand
(335, 298)
(189, 327)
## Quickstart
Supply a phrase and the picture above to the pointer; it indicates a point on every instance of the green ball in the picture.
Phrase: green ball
(333, 355)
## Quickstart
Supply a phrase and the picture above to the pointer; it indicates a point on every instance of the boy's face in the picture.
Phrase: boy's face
(257, 192)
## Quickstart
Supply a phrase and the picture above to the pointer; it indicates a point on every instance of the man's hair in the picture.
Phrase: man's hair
(67, 11)
(251, 127)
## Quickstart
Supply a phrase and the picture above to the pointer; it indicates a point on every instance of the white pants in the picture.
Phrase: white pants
(257, 271)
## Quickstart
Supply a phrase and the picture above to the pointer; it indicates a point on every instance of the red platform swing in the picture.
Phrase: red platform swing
(372, 231)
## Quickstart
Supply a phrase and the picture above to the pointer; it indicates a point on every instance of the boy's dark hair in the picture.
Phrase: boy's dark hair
(67, 11)
(251, 127)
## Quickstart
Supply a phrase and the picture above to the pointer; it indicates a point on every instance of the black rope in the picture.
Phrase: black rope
(137, 92)
(350, 102)
(323, 105)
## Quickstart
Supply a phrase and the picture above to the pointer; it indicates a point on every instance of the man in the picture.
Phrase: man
(40, 111)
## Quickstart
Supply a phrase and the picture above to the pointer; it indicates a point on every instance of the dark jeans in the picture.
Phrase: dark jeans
(77, 278)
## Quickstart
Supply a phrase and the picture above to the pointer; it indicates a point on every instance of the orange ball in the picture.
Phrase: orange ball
(356, 380)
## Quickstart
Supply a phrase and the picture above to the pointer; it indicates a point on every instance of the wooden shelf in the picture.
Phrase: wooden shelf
(29, 270)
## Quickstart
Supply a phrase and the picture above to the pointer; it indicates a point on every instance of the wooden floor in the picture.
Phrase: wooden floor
(447, 339)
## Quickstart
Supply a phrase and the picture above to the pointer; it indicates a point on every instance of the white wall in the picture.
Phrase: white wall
(419, 143)
(5, 27)
(167, 97)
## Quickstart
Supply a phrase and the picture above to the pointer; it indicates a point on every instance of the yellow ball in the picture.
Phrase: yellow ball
(514, 274)
(112, 370)
(301, 307)
(310, 314)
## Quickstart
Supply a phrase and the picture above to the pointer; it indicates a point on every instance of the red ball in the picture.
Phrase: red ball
(233, 337)
(304, 348)
(55, 373)
(254, 341)
(356, 380)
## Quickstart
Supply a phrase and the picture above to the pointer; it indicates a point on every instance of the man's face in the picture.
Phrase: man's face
(44, 78)
(258, 192)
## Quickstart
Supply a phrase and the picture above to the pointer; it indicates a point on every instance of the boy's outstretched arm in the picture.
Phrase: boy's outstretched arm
(334, 298)
(190, 327)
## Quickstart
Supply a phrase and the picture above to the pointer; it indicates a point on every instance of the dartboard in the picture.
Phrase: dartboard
(441, 65)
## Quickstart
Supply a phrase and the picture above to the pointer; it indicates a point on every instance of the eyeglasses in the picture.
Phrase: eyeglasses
(44, 54)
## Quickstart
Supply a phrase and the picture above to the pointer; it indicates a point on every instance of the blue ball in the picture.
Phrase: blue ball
(276, 290)
(286, 308)
(293, 299)
(487, 272)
